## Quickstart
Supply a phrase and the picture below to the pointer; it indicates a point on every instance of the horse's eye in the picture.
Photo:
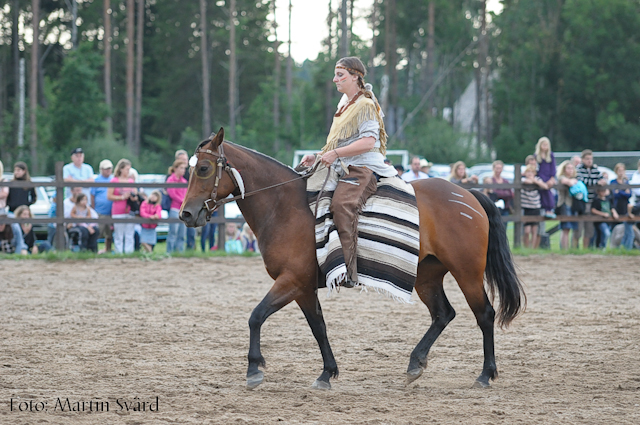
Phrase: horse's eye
(203, 168)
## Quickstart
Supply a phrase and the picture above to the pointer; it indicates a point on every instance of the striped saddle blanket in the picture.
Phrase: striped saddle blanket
(388, 237)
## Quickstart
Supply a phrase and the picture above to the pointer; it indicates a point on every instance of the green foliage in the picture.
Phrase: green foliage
(78, 109)
(436, 140)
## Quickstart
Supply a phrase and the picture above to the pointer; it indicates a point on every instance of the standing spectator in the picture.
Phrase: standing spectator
(567, 179)
(621, 203)
(78, 171)
(547, 172)
(506, 195)
(181, 155)
(177, 231)
(459, 174)
(4, 191)
(531, 205)
(601, 206)
(209, 234)
(28, 235)
(488, 191)
(101, 204)
(21, 195)
(11, 239)
(150, 208)
(635, 179)
(88, 231)
(531, 160)
(123, 233)
(425, 167)
(589, 174)
(414, 173)
(248, 239)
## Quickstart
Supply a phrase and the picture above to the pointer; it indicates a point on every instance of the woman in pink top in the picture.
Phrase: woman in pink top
(123, 233)
(177, 231)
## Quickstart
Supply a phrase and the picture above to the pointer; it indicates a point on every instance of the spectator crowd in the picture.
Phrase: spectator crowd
(572, 188)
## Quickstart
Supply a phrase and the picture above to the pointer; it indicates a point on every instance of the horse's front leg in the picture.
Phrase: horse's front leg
(281, 293)
(311, 308)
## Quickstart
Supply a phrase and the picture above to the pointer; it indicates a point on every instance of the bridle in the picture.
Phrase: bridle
(222, 165)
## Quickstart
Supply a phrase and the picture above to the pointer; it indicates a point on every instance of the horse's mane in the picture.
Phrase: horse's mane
(262, 156)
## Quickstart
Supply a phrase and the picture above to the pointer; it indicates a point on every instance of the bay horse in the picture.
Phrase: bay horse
(461, 232)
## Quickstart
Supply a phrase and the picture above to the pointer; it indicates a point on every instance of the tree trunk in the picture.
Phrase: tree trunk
(33, 86)
(15, 48)
(138, 96)
(206, 90)
(480, 76)
(372, 51)
(390, 98)
(107, 66)
(232, 70)
(328, 87)
(130, 73)
(276, 86)
(74, 23)
(344, 33)
(430, 52)
(289, 87)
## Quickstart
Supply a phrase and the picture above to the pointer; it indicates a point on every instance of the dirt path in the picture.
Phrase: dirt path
(107, 331)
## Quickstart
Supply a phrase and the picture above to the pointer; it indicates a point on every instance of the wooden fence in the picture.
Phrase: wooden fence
(60, 221)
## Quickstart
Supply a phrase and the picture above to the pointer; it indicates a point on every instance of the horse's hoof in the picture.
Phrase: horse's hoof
(414, 374)
(321, 385)
(254, 380)
(481, 384)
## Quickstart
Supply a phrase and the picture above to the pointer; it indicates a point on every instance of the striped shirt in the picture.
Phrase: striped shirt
(590, 177)
(530, 198)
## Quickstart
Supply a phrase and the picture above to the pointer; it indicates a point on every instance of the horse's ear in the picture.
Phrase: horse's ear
(217, 139)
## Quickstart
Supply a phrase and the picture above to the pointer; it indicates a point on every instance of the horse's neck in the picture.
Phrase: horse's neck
(267, 207)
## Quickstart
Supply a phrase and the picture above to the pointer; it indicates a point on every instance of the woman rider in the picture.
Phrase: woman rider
(354, 152)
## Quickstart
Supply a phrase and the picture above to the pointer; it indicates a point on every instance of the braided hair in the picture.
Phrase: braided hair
(354, 66)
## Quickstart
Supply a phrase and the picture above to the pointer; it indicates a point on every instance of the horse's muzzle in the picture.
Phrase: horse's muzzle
(194, 220)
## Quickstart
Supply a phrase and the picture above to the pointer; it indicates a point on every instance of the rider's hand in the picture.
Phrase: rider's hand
(329, 157)
(308, 160)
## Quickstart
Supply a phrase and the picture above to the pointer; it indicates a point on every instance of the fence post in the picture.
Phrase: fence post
(517, 206)
(222, 237)
(60, 239)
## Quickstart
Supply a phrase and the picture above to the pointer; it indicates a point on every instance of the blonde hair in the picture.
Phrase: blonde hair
(120, 165)
(175, 165)
(531, 168)
(21, 208)
(454, 167)
(496, 162)
(619, 165)
(1, 170)
(562, 166)
(547, 156)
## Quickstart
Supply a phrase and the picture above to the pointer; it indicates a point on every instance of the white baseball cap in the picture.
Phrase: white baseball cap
(105, 163)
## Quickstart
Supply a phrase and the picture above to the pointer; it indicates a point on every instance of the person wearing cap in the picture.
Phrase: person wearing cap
(77, 171)
(101, 204)
(414, 173)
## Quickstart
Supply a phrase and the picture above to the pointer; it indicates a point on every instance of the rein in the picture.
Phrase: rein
(222, 164)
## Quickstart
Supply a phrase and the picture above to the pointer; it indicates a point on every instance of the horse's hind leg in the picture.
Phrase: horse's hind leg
(472, 285)
(281, 293)
(429, 287)
(312, 311)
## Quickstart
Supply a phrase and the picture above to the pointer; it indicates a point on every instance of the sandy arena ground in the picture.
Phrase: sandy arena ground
(111, 330)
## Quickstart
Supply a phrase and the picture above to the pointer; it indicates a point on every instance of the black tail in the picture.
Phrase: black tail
(500, 272)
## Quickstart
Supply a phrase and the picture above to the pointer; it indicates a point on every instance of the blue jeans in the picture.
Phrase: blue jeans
(208, 234)
(627, 239)
(191, 238)
(605, 233)
(177, 233)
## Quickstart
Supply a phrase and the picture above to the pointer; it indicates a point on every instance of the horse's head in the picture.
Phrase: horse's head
(211, 180)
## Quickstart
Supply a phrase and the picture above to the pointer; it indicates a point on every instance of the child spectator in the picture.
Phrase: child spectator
(487, 191)
(531, 205)
(11, 240)
(601, 206)
(249, 241)
(21, 195)
(588, 173)
(150, 208)
(621, 203)
(88, 231)
(4, 191)
(531, 160)
(123, 233)
(233, 244)
(567, 179)
(547, 172)
(28, 236)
